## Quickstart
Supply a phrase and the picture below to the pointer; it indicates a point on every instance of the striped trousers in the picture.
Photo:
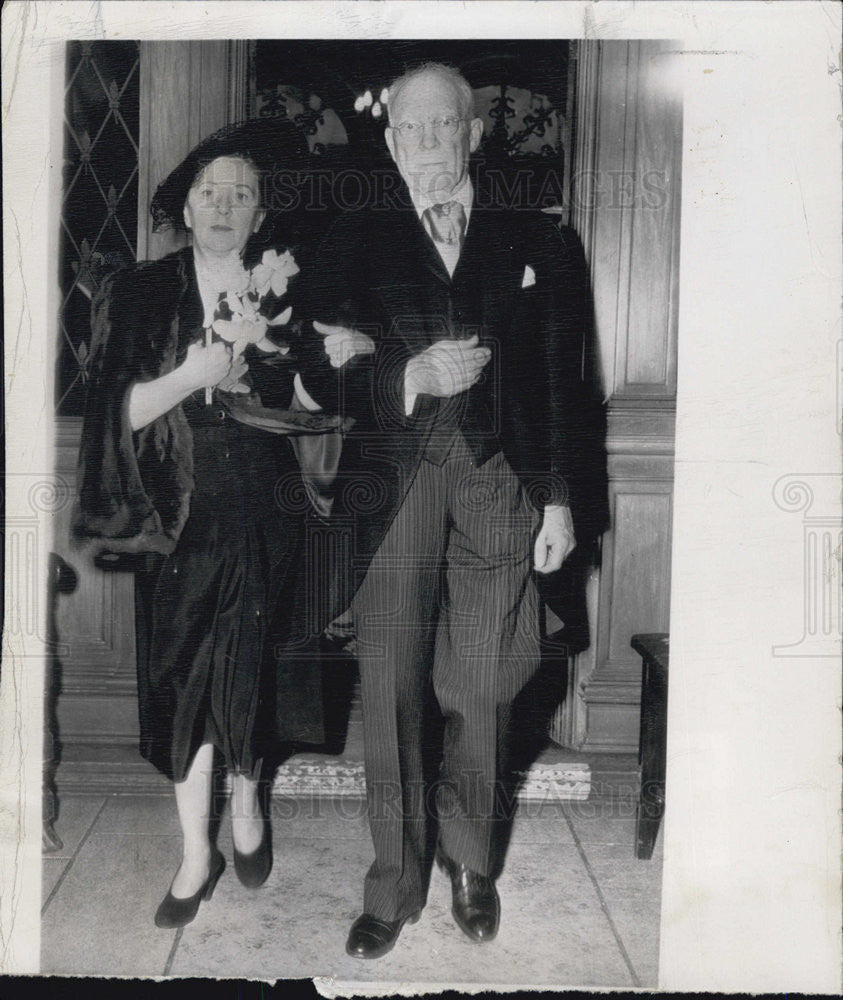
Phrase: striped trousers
(448, 602)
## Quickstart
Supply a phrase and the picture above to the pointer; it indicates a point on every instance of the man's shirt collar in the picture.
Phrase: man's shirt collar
(464, 194)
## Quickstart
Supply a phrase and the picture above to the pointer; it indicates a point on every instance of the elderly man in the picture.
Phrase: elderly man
(464, 321)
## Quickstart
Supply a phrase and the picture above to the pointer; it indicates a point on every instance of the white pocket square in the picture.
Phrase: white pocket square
(529, 278)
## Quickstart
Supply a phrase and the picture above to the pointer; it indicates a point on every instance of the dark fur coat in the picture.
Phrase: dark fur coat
(134, 488)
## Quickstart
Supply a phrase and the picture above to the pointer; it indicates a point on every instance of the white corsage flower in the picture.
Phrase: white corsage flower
(247, 326)
(238, 318)
(273, 272)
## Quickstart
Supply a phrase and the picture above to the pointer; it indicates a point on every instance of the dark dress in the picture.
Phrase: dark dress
(218, 603)
(223, 653)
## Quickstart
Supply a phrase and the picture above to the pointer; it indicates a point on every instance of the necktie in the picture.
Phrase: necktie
(445, 223)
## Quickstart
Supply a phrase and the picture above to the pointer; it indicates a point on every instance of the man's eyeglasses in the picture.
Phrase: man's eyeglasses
(443, 128)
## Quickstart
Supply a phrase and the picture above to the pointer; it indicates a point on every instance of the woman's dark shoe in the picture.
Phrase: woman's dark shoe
(475, 904)
(371, 937)
(174, 912)
(253, 869)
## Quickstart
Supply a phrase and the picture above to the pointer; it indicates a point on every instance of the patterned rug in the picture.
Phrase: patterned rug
(306, 774)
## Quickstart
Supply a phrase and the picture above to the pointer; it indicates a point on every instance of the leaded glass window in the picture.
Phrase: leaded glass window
(100, 195)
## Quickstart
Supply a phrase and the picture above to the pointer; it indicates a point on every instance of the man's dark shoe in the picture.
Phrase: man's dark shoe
(476, 906)
(371, 937)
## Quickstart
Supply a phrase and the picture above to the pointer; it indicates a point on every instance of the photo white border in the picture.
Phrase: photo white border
(752, 831)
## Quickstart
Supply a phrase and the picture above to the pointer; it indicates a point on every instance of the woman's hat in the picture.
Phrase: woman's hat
(276, 147)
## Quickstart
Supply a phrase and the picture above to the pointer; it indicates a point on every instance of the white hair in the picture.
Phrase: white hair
(462, 88)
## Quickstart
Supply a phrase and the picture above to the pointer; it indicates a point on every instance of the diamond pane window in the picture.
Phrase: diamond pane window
(99, 198)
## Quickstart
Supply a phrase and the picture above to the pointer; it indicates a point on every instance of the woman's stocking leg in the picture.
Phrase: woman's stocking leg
(193, 801)
(246, 815)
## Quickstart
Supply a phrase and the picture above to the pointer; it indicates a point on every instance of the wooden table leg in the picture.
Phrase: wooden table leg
(652, 750)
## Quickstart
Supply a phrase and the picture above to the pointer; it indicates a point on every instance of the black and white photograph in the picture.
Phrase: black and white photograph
(388, 437)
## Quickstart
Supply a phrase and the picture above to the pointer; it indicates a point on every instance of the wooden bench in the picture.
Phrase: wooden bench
(652, 745)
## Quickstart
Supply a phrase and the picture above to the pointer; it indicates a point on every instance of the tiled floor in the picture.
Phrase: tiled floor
(578, 909)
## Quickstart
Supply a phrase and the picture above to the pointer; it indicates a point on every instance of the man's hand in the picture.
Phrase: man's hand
(555, 540)
(447, 368)
(342, 344)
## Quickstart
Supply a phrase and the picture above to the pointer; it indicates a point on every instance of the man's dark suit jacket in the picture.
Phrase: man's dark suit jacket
(524, 290)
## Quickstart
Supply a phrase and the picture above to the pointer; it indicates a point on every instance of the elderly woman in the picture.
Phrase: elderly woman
(184, 454)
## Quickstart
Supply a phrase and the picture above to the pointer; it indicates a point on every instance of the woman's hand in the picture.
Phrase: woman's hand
(342, 344)
(231, 382)
(203, 367)
(206, 367)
